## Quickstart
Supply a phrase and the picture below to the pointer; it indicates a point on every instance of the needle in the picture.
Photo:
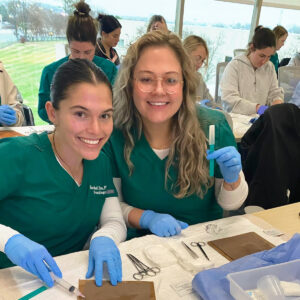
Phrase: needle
(63, 283)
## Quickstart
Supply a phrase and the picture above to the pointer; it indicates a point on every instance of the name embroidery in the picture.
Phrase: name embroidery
(101, 190)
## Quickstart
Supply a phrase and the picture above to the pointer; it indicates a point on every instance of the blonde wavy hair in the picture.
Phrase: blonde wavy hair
(188, 149)
(192, 42)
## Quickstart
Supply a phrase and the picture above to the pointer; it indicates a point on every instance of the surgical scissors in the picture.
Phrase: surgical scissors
(200, 245)
(142, 269)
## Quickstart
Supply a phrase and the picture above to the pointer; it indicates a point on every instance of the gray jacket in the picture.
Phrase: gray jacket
(243, 87)
(295, 61)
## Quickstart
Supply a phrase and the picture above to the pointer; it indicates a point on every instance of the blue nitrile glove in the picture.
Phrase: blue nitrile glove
(161, 224)
(229, 161)
(31, 256)
(7, 115)
(205, 103)
(262, 109)
(104, 250)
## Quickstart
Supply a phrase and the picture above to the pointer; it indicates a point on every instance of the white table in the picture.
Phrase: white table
(241, 123)
(27, 130)
(15, 282)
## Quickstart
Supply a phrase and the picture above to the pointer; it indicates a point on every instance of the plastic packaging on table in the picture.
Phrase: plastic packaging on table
(243, 282)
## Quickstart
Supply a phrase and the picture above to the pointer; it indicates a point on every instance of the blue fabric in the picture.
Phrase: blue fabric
(31, 256)
(161, 224)
(104, 250)
(212, 284)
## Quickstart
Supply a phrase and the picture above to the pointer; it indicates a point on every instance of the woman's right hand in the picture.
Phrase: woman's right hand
(31, 256)
(161, 224)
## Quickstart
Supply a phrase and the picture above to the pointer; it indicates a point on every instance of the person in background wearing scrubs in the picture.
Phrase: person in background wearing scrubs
(81, 36)
(158, 148)
(110, 31)
(157, 22)
(281, 35)
(56, 188)
(10, 111)
(249, 83)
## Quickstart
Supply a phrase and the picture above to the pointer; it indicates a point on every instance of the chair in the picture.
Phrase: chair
(237, 52)
(27, 112)
(284, 62)
(28, 116)
(288, 78)
(220, 69)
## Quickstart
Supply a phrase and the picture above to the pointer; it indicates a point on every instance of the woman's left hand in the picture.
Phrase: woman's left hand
(104, 250)
(229, 161)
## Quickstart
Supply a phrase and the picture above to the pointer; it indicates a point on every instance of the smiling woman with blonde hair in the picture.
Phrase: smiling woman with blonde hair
(158, 148)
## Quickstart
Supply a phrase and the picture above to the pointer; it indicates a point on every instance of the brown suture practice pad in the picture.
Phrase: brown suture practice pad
(126, 290)
(238, 246)
(9, 133)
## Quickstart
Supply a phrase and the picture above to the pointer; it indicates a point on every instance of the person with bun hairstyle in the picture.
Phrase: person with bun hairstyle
(82, 36)
(110, 30)
(281, 35)
(57, 187)
(249, 83)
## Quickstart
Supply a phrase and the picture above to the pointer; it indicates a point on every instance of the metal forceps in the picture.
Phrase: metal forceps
(200, 245)
(142, 269)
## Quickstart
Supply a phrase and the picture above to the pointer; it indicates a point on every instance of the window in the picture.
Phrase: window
(224, 26)
(287, 18)
(32, 34)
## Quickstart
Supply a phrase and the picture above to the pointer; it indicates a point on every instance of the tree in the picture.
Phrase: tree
(18, 16)
(4, 13)
(68, 6)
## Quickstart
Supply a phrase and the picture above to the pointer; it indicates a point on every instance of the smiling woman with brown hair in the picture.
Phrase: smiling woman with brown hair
(56, 188)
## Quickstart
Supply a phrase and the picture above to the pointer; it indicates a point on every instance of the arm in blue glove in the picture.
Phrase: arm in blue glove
(229, 161)
(104, 250)
(205, 103)
(262, 109)
(7, 115)
(31, 256)
(161, 224)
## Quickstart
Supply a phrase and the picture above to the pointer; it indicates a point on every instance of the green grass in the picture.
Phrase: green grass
(24, 63)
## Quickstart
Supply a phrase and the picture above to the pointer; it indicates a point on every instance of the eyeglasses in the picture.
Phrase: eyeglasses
(199, 59)
(148, 83)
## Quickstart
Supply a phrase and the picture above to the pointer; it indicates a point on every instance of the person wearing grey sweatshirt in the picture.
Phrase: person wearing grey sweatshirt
(249, 84)
(295, 61)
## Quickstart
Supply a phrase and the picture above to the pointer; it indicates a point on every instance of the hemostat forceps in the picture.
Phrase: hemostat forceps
(142, 269)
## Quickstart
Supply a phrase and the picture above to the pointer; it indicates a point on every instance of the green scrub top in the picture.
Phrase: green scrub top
(145, 189)
(275, 60)
(42, 201)
(105, 65)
